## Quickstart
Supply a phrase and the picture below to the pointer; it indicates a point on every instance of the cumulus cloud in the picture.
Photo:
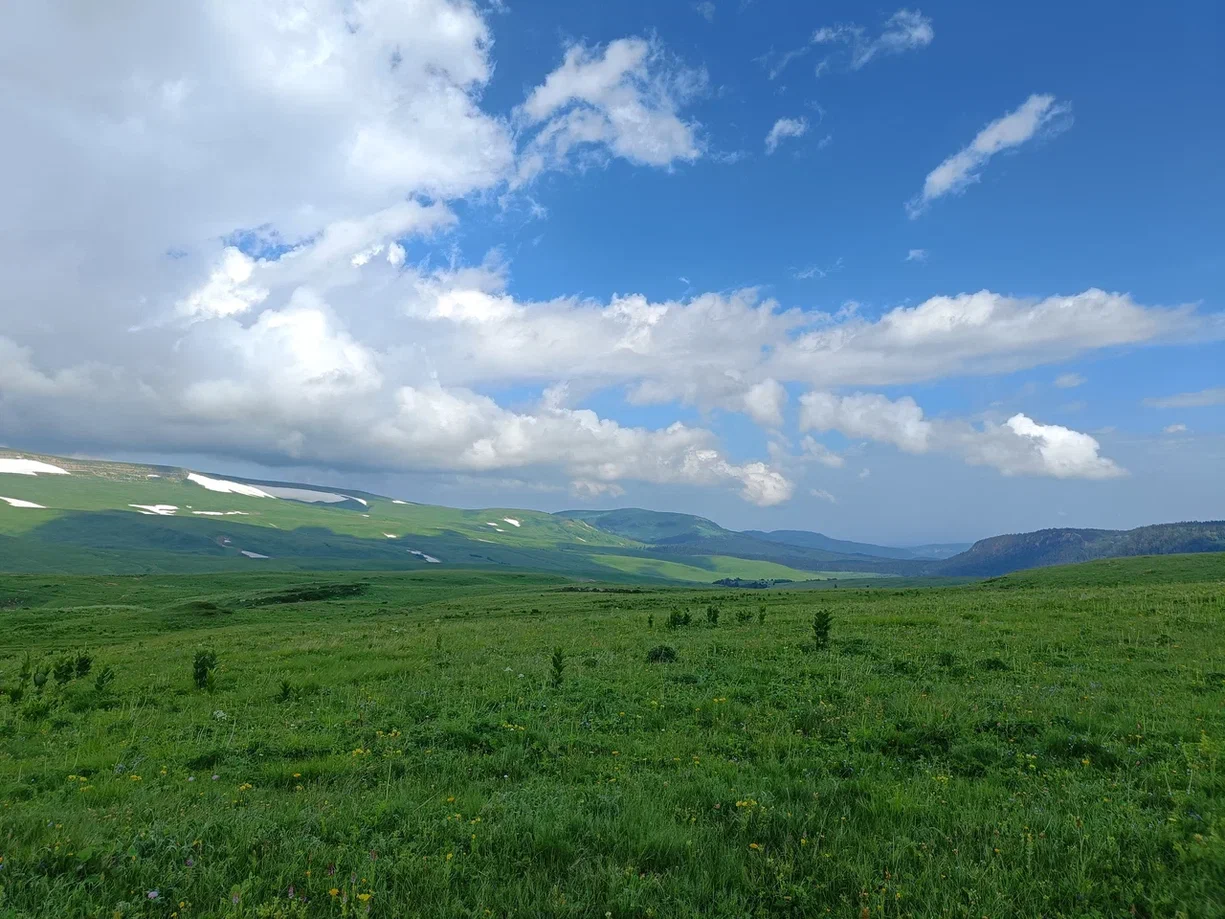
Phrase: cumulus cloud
(870, 415)
(964, 167)
(623, 98)
(1174, 429)
(1019, 446)
(1203, 397)
(171, 285)
(783, 129)
(764, 401)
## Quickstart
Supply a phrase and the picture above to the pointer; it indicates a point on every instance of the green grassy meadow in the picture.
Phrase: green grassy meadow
(403, 744)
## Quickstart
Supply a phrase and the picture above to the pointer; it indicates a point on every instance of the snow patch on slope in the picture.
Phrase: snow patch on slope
(18, 466)
(17, 502)
(161, 510)
(512, 521)
(225, 487)
(310, 495)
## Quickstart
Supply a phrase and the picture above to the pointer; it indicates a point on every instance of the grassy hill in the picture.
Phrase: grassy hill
(403, 741)
(120, 518)
(1002, 554)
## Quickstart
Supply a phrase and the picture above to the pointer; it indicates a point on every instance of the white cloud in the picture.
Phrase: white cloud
(1174, 429)
(705, 9)
(870, 415)
(916, 255)
(822, 454)
(1069, 380)
(785, 128)
(775, 62)
(971, 334)
(905, 30)
(1060, 452)
(1199, 399)
(622, 99)
(964, 167)
(823, 495)
(1019, 446)
(865, 473)
(764, 401)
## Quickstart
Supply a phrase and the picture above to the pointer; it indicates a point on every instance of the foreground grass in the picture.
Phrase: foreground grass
(1015, 749)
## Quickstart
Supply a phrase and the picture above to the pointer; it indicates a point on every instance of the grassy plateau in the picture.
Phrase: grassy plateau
(462, 743)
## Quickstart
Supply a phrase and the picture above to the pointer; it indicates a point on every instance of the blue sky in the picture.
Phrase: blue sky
(547, 255)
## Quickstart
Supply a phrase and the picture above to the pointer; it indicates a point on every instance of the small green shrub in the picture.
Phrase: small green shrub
(712, 615)
(285, 693)
(662, 654)
(203, 667)
(83, 663)
(102, 682)
(558, 668)
(761, 616)
(64, 670)
(743, 616)
(677, 619)
(650, 620)
(820, 629)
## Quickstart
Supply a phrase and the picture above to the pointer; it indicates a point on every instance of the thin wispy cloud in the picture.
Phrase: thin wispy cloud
(783, 129)
(916, 255)
(905, 30)
(1204, 397)
(1069, 380)
(964, 168)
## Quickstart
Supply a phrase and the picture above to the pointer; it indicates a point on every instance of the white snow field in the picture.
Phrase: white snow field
(18, 466)
(227, 488)
(17, 502)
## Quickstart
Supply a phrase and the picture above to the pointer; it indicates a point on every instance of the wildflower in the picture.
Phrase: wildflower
(135, 778)
(191, 778)
(190, 863)
(153, 894)
(450, 855)
(216, 777)
(291, 891)
(754, 846)
(364, 896)
(335, 891)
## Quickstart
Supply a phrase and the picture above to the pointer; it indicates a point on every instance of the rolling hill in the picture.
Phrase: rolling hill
(84, 516)
(1015, 552)
(61, 515)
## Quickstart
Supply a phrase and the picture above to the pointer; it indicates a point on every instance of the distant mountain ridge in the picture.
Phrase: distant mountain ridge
(1062, 546)
(821, 541)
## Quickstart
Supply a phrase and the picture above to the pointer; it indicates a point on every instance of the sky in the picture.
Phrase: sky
(892, 273)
